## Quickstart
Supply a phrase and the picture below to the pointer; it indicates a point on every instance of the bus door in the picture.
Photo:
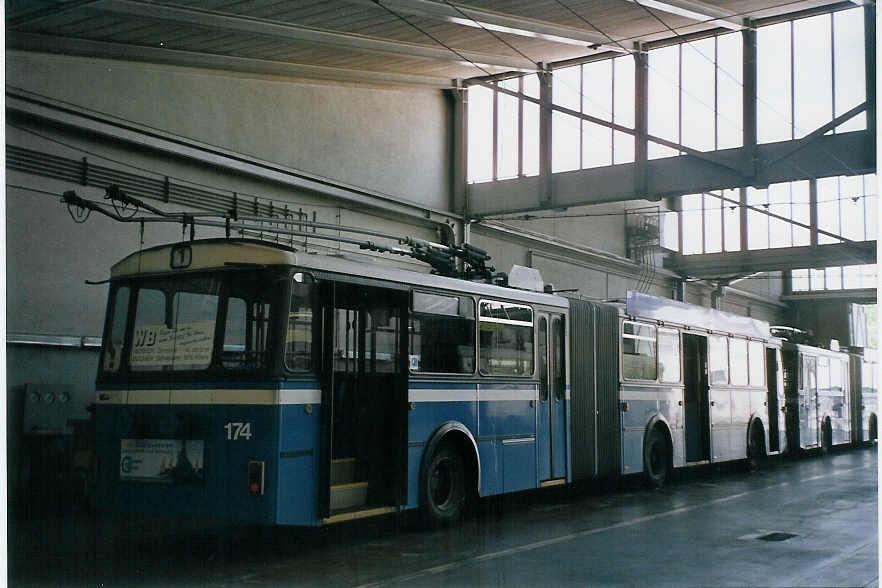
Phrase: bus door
(772, 399)
(808, 401)
(366, 375)
(551, 432)
(696, 398)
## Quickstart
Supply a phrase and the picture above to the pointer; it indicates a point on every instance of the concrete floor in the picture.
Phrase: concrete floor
(702, 530)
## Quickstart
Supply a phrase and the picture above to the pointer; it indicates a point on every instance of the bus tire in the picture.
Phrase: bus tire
(756, 446)
(873, 429)
(826, 437)
(444, 487)
(656, 459)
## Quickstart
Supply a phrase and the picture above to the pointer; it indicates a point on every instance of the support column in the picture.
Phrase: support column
(641, 122)
(813, 213)
(748, 101)
(742, 218)
(870, 63)
(460, 163)
(546, 196)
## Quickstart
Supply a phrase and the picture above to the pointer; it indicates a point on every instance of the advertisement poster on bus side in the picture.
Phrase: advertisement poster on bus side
(161, 460)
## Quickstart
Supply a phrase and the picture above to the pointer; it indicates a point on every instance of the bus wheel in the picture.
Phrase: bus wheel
(873, 430)
(445, 487)
(826, 438)
(756, 447)
(656, 459)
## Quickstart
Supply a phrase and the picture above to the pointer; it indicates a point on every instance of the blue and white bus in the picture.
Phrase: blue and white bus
(244, 380)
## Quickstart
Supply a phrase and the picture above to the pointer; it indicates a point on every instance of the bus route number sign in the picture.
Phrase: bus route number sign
(237, 431)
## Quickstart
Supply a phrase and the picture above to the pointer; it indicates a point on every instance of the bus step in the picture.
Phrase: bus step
(342, 471)
(346, 496)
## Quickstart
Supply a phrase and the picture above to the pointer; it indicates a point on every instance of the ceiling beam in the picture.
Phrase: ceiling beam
(695, 10)
(106, 50)
(498, 22)
(221, 21)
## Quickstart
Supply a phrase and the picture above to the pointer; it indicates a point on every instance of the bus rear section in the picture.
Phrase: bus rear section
(207, 403)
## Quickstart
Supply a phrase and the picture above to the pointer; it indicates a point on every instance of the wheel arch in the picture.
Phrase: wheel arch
(658, 420)
(457, 433)
(756, 420)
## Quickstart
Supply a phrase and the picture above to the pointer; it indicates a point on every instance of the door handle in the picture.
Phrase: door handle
(713, 403)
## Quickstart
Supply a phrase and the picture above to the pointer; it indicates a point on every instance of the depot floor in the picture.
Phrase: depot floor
(809, 522)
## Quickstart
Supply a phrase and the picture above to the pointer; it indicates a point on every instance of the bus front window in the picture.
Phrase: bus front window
(174, 325)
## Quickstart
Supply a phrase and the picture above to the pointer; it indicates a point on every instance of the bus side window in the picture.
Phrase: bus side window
(756, 363)
(638, 351)
(558, 357)
(506, 332)
(718, 359)
(668, 355)
(442, 334)
(738, 362)
(113, 345)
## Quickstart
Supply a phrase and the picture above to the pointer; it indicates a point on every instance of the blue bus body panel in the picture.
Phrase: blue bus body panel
(223, 493)
(299, 455)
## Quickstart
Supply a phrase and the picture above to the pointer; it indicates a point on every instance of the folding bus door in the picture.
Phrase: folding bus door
(808, 402)
(551, 430)
(366, 371)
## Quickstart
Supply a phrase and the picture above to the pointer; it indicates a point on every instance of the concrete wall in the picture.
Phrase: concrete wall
(391, 140)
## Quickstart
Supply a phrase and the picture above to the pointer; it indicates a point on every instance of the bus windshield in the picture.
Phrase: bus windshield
(192, 323)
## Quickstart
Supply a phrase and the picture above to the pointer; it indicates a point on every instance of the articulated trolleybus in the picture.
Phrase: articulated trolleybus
(244, 380)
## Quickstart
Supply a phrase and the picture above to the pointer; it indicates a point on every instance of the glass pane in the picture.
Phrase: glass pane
(565, 142)
(248, 325)
(480, 134)
(816, 279)
(670, 235)
(597, 89)
(729, 95)
(442, 334)
(828, 209)
(558, 357)
(664, 98)
(732, 220)
(799, 194)
(848, 65)
(531, 139)
(623, 91)
(774, 115)
(756, 359)
(757, 222)
(718, 359)
(596, 145)
(697, 78)
(566, 89)
(851, 277)
(833, 278)
(175, 332)
(113, 341)
(542, 352)
(623, 147)
(668, 356)
(779, 204)
(799, 280)
(298, 340)
(638, 352)
(692, 225)
(851, 207)
(713, 224)
(812, 73)
(738, 361)
(871, 205)
(506, 137)
(531, 85)
(506, 349)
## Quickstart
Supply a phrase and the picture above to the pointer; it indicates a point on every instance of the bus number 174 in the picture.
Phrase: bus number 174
(236, 431)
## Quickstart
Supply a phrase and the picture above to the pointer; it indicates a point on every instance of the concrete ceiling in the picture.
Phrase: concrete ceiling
(414, 42)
